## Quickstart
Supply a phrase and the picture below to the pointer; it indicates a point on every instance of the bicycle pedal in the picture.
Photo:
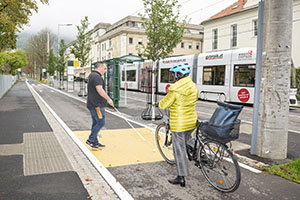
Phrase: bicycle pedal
(198, 165)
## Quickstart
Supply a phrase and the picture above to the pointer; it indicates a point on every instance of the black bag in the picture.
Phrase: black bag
(223, 125)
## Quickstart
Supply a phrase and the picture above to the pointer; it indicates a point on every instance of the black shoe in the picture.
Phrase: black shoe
(92, 145)
(100, 145)
(178, 180)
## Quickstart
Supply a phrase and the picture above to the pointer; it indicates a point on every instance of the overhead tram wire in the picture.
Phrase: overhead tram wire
(204, 8)
(143, 7)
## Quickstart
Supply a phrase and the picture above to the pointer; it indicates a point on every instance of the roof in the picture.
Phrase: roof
(234, 8)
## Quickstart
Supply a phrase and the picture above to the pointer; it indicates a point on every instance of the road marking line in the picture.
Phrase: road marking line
(111, 180)
(138, 123)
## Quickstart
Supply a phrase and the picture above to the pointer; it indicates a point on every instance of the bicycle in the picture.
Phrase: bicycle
(215, 159)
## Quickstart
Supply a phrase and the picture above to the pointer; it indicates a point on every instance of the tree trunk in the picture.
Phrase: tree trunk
(275, 80)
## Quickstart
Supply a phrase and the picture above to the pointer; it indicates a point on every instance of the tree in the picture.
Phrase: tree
(82, 47)
(17, 60)
(162, 26)
(4, 58)
(14, 14)
(51, 62)
(164, 32)
(62, 58)
(83, 43)
(37, 50)
(9, 62)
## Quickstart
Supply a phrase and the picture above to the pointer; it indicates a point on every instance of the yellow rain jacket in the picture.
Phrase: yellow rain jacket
(181, 99)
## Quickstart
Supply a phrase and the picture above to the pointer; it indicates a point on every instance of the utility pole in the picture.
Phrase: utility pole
(275, 80)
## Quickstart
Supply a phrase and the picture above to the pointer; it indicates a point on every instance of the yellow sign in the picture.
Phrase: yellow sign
(76, 63)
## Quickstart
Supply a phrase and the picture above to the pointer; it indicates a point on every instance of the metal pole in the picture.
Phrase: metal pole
(153, 87)
(260, 27)
(125, 84)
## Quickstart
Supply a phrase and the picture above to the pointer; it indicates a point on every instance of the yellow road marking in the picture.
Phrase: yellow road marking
(124, 147)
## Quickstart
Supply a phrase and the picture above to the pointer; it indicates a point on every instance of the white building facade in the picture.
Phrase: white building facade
(236, 27)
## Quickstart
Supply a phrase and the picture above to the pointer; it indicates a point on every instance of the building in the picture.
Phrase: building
(123, 38)
(236, 27)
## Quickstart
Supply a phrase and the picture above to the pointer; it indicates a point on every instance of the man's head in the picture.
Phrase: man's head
(180, 70)
(101, 67)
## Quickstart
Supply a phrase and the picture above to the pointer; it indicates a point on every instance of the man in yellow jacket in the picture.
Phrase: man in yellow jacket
(181, 99)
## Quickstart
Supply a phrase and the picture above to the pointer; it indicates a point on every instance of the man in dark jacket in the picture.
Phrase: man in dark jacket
(97, 100)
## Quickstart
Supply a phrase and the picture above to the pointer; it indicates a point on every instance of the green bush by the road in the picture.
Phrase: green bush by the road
(289, 170)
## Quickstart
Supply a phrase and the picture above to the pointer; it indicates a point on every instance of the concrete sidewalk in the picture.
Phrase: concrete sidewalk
(38, 160)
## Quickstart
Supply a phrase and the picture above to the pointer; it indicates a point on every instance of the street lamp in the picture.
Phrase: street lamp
(58, 33)
(58, 46)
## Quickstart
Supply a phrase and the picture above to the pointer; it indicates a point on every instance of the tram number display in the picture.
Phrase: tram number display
(243, 95)
(167, 88)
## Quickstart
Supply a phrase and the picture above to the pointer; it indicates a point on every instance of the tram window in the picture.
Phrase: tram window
(214, 75)
(166, 76)
(244, 75)
(131, 75)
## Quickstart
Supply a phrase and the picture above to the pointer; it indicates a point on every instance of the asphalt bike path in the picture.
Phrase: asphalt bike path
(147, 179)
(32, 163)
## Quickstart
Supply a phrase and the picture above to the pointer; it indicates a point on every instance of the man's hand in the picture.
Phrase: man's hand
(111, 103)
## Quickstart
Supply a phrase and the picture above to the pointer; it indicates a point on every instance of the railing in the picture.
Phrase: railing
(6, 82)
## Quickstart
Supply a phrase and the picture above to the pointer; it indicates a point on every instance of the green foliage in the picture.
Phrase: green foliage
(51, 62)
(36, 49)
(62, 57)
(10, 62)
(83, 43)
(4, 57)
(163, 30)
(290, 170)
(14, 14)
(298, 81)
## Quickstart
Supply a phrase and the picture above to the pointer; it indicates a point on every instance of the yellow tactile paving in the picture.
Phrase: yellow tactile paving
(124, 147)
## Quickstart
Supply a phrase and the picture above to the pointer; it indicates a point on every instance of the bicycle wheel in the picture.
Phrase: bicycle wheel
(219, 167)
(164, 143)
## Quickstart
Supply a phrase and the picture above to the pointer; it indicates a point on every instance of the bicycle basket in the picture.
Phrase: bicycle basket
(223, 125)
(224, 133)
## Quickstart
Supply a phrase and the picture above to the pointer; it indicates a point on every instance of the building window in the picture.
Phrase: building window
(130, 40)
(109, 43)
(140, 41)
(182, 45)
(190, 45)
(197, 46)
(233, 35)
(215, 39)
(255, 27)
(214, 75)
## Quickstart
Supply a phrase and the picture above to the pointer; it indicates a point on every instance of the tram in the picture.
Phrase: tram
(220, 76)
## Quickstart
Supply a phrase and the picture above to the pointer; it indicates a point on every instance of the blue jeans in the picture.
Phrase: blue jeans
(97, 124)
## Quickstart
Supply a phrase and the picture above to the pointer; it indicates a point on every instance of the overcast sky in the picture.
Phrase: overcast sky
(109, 11)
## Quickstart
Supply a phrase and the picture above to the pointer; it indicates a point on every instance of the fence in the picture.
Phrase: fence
(6, 82)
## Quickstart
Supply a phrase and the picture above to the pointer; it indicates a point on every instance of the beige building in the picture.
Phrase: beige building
(236, 27)
(123, 38)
